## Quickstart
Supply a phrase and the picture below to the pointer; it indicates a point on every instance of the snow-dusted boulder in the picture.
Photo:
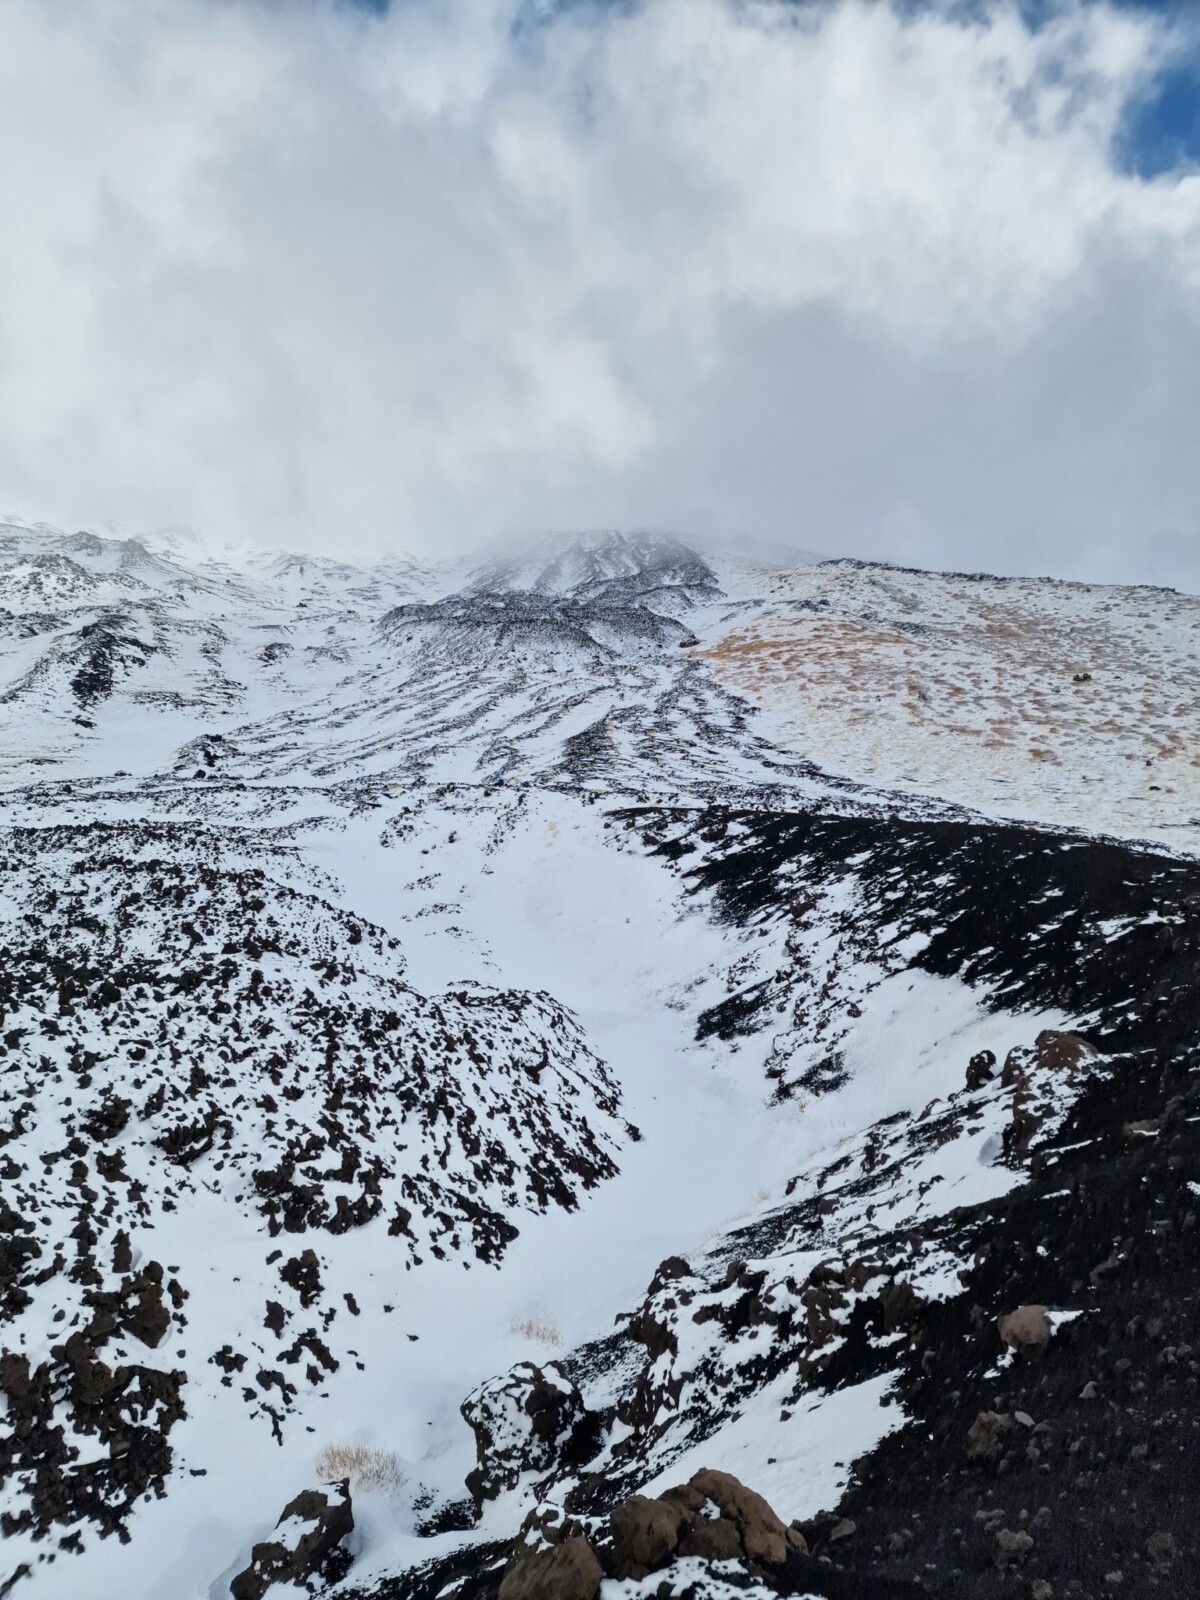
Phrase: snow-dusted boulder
(306, 1536)
(532, 1419)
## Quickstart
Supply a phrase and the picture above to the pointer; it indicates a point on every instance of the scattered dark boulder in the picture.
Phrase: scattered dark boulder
(980, 1069)
(145, 1316)
(303, 1273)
(313, 1526)
(1011, 1549)
(1160, 1550)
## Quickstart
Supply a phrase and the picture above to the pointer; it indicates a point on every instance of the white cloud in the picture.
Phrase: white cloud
(294, 274)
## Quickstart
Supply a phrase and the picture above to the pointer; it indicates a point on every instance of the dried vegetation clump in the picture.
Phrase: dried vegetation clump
(368, 1466)
(539, 1330)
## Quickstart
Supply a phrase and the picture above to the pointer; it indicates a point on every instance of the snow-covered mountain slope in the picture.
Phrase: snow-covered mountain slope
(440, 1015)
(1064, 703)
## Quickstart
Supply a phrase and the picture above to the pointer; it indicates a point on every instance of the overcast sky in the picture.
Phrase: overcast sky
(919, 282)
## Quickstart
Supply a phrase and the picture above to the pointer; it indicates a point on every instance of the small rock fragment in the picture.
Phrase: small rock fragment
(1160, 1548)
(1011, 1549)
(986, 1435)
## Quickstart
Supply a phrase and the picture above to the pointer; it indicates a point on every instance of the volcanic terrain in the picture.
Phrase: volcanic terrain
(612, 1070)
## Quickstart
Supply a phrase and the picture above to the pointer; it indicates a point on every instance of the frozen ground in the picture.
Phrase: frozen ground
(1061, 703)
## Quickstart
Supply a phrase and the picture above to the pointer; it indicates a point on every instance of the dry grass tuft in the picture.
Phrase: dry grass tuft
(366, 1465)
(538, 1330)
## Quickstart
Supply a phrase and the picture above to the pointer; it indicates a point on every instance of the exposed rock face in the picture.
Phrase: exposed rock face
(494, 625)
(127, 1409)
(216, 1033)
(307, 1534)
(530, 1420)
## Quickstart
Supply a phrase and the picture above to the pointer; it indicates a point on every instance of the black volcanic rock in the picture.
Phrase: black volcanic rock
(483, 626)
(308, 1534)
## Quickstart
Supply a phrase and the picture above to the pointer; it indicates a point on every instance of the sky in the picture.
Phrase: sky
(915, 281)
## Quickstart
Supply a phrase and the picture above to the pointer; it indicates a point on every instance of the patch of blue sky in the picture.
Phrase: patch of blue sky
(1160, 133)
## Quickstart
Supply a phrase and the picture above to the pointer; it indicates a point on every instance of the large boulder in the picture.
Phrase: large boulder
(529, 1420)
(1026, 1329)
(561, 1555)
(566, 1571)
(743, 1525)
(645, 1535)
(1054, 1050)
(712, 1516)
(307, 1534)
(1059, 1051)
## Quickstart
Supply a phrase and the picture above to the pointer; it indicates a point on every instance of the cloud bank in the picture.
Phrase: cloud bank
(867, 280)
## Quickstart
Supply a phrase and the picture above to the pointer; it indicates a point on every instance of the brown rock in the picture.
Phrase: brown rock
(899, 1301)
(712, 1539)
(986, 1435)
(645, 1534)
(1015, 1064)
(567, 1571)
(1026, 1329)
(1062, 1052)
(760, 1533)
